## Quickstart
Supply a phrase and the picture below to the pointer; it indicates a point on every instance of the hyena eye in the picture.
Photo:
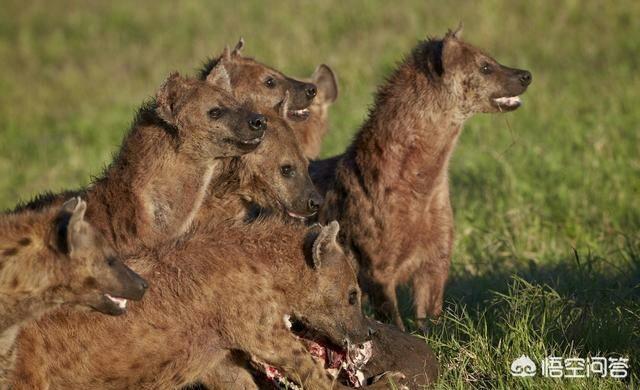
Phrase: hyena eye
(216, 112)
(353, 297)
(485, 68)
(270, 82)
(288, 171)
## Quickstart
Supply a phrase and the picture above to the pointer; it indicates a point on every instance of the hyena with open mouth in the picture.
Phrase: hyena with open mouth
(265, 88)
(53, 258)
(390, 189)
(251, 290)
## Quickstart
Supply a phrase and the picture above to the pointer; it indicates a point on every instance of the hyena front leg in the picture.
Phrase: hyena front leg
(430, 278)
(384, 300)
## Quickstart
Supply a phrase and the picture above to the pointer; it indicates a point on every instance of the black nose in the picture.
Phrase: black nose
(258, 122)
(315, 201)
(313, 205)
(310, 91)
(139, 282)
(525, 78)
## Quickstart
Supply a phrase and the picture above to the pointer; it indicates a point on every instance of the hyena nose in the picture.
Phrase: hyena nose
(525, 78)
(313, 206)
(315, 201)
(311, 91)
(258, 122)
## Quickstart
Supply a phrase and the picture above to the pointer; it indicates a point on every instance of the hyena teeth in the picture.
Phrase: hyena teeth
(508, 101)
(121, 302)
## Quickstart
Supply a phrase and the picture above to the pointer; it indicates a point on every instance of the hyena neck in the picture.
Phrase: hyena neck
(409, 136)
(238, 194)
(223, 199)
(153, 189)
(16, 311)
(28, 267)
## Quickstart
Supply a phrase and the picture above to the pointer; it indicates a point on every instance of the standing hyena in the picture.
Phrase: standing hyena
(390, 189)
(52, 258)
(154, 188)
(265, 88)
(248, 289)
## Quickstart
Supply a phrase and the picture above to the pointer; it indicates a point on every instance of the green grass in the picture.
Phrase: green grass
(547, 257)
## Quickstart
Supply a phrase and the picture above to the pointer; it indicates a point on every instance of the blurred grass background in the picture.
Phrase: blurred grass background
(548, 193)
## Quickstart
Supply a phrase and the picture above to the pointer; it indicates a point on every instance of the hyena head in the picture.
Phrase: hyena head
(96, 277)
(263, 86)
(209, 122)
(279, 171)
(311, 132)
(60, 258)
(477, 82)
(331, 307)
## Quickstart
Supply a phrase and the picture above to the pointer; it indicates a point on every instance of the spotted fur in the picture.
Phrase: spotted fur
(390, 189)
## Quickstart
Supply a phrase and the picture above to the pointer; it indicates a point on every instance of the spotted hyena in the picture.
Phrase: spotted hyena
(390, 189)
(265, 88)
(224, 289)
(52, 258)
(272, 179)
(153, 189)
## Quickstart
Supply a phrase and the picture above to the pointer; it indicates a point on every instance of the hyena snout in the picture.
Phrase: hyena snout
(509, 84)
(303, 94)
(525, 78)
(360, 332)
(517, 80)
(314, 202)
(251, 133)
(129, 284)
(257, 122)
(310, 91)
(305, 205)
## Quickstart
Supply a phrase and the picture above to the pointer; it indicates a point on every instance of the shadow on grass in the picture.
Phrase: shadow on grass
(579, 306)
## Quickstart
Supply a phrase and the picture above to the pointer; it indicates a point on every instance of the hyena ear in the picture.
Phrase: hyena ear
(169, 95)
(226, 54)
(325, 244)
(73, 204)
(326, 81)
(238, 49)
(457, 33)
(219, 77)
(72, 229)
(284, 106)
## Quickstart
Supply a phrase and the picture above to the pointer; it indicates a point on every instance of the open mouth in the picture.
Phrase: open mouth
(293, 214)
(246, 144)
(121, 303)
(507, 103)
(111, 305)
(299, 216)
(252, 141)
(343, 364)
(298, 115)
